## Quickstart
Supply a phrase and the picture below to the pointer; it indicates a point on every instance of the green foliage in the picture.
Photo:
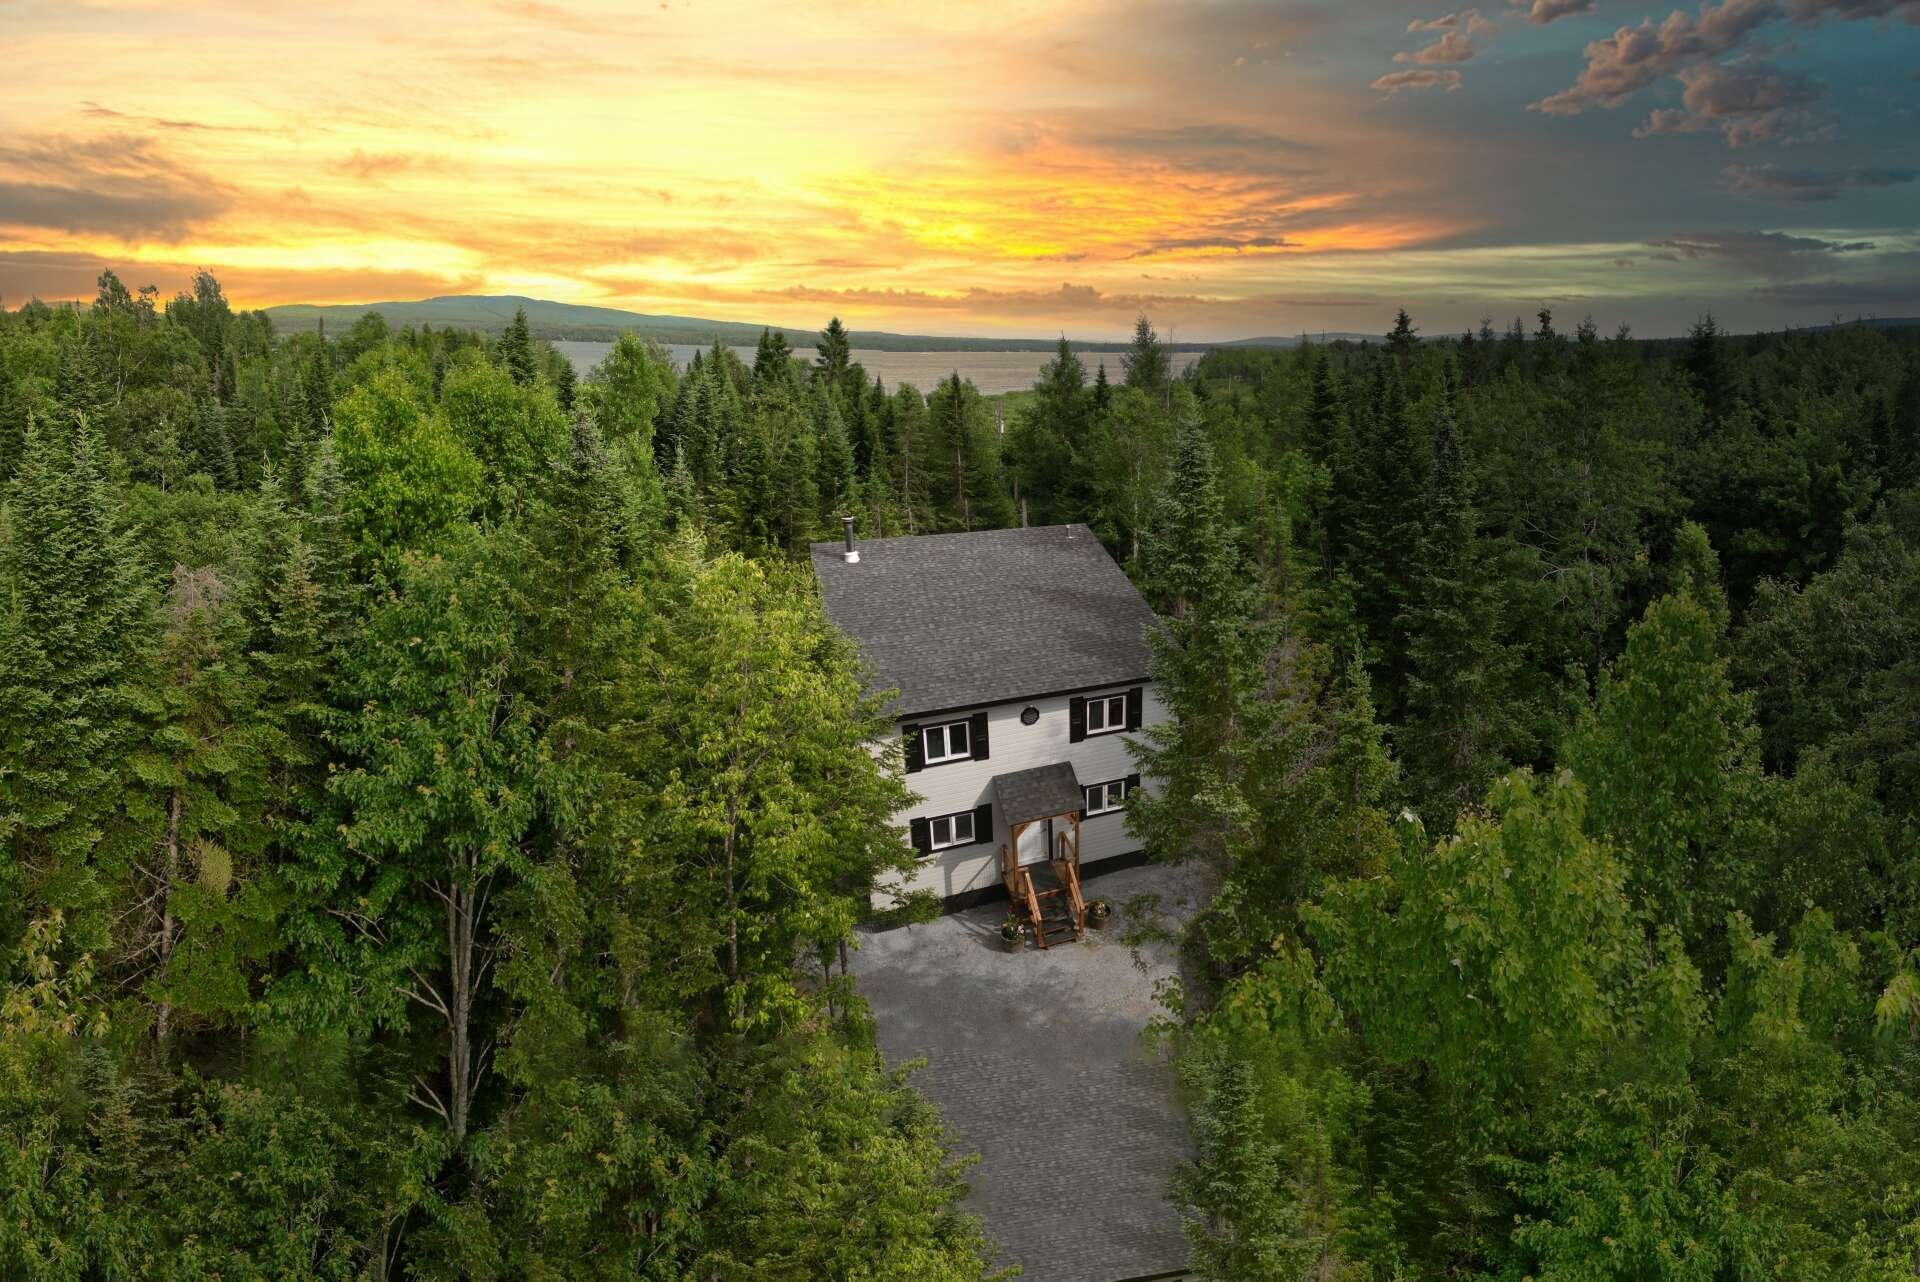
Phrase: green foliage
(1461, 723)
(962, 460)
(624, 394)
(515, 432)
(1668, 756)
(769, 817)
(74, 608)
(436, 810)
(841, 1172)
(407, 476)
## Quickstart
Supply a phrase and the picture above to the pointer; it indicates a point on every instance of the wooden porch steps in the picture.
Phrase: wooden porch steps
(1055, 912)
(1061, 894)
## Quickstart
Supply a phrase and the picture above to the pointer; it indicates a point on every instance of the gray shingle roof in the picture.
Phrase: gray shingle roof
(963, 620)
(1039, 793)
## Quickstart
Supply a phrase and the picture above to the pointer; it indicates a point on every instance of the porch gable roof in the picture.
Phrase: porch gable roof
(1039, 793)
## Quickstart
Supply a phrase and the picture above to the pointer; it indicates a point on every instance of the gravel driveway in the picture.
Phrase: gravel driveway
(1038, 1062)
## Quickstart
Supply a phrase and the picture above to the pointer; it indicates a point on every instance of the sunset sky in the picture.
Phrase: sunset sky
(983, 167)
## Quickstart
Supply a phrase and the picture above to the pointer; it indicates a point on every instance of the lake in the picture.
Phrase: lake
(991, 372)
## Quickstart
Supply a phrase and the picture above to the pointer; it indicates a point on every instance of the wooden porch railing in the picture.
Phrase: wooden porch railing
(1065, 859)
(1067, 848)
(1070, 878)
(1033, 909)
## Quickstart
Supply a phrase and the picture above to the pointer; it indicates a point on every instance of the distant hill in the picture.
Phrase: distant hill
(1323, 336)
(492, 313)
(1864, 322)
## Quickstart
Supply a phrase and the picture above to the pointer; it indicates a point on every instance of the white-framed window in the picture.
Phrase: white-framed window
(950, 830)
(1105, 797)
(949, 742)
(1105, 715)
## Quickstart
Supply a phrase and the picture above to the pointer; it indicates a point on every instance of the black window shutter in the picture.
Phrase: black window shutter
(922, 842)
(1136, 705)
(977, 733)
(916, 752)
(1133, 784)
(983, 823)
(1076, 719)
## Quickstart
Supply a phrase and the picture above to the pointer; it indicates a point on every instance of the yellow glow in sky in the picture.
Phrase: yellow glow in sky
(988, 167)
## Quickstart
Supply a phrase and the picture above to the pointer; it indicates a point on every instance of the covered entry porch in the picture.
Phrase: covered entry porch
(1040, 863)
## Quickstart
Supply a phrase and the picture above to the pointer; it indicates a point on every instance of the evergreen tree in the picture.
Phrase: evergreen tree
(1147, 365)
(963, 472)
(515, 352)
(1235, 1224)
(214, 449)
(913, 461)
(75, 608)
(785, 429)
(1385, 533)
(835, 354)
(772, 358)
(1402, 341)
(203, 788)
(1706, 366)
(833, 457)
(1048, 443)
(1324, 439)
(1459, 673)
(1199, 662)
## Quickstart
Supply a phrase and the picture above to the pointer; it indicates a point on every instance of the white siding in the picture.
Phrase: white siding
(962, 785)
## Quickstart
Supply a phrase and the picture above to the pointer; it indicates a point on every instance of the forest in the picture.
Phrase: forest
(438, 812)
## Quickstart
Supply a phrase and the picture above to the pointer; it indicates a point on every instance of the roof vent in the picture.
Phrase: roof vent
(852, 555)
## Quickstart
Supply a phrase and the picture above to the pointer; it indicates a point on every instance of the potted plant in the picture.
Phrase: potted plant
(1099, 913)
(1013, 933)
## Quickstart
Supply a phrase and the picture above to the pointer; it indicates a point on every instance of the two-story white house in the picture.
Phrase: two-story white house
(1020, 661)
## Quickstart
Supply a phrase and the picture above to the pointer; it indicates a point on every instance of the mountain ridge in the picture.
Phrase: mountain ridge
(492, 313)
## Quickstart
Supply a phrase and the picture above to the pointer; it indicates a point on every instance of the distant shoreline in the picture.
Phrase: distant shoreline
(573, 322)
(994, 373)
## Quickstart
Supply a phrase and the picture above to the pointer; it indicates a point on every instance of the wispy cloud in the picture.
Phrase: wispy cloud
(1451, 47)
(63, 275)
(1546, 11)
(1396, 81)
(1748, 102)
(895, 160)
(376, 166)
(1468, 20)
(1633, 58)
(122, 185)
(1766, 253)
(1902, 293)
(1800, 186)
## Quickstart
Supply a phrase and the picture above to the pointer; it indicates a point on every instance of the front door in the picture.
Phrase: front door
(1036, 839)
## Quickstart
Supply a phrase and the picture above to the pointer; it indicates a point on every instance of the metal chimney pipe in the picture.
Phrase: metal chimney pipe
(852, 555)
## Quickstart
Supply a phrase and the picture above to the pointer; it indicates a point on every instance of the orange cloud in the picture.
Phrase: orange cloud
(1002, 165)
